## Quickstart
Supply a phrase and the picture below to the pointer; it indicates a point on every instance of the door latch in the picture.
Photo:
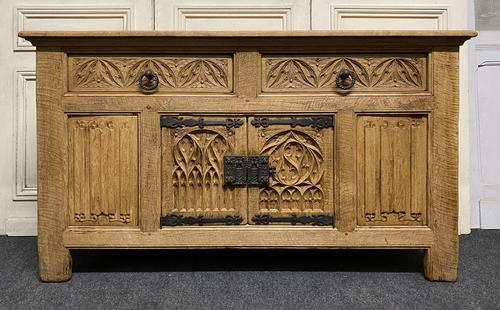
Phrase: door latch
(247, 171)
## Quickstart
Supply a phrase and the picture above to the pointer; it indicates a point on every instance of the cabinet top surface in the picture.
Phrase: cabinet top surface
(261, 34)
(334, 39)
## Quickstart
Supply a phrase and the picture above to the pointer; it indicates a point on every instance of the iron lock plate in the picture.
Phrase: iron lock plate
(247, 171)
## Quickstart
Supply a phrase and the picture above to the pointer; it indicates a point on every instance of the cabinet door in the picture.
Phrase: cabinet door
(193, 150)
(301, 188)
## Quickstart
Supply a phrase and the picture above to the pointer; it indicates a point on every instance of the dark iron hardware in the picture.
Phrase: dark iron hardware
(176, 122)
(247, 171)
(319, 122)
(345, 79)
(317, 220)
(148, 81)
(180, 220)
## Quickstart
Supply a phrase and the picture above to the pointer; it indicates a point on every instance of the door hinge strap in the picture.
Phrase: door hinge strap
(180, 220)
(176, 122)
(318, 220)
(318, 122)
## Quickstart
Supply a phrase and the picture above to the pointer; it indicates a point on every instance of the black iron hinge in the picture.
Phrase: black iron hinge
(176, 122)
(318, 122)
(318, 220)
(180, 220)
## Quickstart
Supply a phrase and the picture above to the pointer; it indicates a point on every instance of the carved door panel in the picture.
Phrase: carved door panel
(193, 150)
(300, 190)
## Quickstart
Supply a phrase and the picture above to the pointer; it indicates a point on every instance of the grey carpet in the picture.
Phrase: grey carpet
(252, 279)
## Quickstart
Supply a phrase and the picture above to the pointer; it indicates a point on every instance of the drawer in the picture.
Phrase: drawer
(179, 74)
(322, 73)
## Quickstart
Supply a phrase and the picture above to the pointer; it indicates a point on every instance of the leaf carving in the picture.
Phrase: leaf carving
(292, 73)
(98, 72)
(331, 67)
(396, 72)
(203, 73)
(161, 68)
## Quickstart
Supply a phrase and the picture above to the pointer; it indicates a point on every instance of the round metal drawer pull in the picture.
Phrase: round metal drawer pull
(345, 79)
(148, 81)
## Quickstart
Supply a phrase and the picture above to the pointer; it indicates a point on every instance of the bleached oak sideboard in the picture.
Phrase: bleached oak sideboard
(248, 140)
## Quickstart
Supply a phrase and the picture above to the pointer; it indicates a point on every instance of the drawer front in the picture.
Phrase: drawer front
(183, 74)
(392, 154)
(319, 73)
(102, 179)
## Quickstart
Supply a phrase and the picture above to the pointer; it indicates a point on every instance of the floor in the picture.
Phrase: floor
(252, 279)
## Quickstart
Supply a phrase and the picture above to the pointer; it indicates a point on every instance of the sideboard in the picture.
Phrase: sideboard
(306, 139)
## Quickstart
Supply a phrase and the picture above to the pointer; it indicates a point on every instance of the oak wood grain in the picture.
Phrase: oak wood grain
(387, 171)
(441, 263)
(52, 167)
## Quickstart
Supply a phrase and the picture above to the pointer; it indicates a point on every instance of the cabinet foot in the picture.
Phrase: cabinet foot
(55, 265)
(440, 266)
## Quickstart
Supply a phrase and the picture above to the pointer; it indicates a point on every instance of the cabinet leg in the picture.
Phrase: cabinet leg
(54, 264)
(440, 266)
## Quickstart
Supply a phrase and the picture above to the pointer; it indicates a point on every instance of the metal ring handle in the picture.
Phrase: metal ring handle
(148, 81)
(342, 79)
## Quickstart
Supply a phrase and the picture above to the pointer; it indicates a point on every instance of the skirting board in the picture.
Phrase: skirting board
(21, 226)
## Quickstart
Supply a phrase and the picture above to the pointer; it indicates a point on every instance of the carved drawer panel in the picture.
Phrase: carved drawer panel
(300, 149)
(193, 150)
(174, 73)
(319, 73)
(103, 170)
(392, 170)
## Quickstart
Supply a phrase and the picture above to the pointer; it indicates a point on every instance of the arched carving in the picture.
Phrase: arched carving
(296, 184)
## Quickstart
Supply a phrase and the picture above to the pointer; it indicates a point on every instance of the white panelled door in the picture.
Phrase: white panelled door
(17, 88)
(485, 113)
(18, 175)
(232, 15)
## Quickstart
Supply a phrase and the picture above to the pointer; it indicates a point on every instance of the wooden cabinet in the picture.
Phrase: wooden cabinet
(254, 140)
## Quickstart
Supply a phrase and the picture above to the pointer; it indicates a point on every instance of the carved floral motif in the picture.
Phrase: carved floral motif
(320, 72)
(173, 73)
